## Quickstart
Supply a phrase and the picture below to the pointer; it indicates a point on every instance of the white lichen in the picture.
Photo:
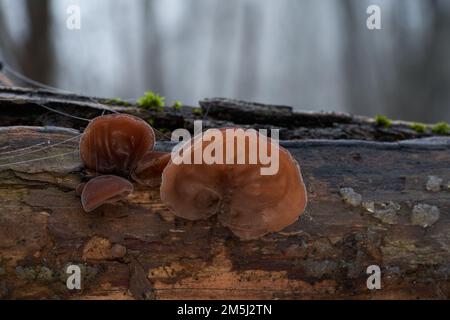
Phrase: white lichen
(424, 215)
(369, 206)
(386, 212)
(434, 184)
(350, 196)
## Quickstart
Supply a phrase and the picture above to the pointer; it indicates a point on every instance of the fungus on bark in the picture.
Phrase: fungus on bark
(248, 203)
(104, 189)
(149, 168)
(79, 188)
(113, 144)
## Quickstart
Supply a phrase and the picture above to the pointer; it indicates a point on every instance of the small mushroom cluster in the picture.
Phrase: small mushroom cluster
(250, 204)
(117, 147)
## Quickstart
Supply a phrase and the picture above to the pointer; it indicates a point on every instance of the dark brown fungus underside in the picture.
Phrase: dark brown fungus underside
(104, 189)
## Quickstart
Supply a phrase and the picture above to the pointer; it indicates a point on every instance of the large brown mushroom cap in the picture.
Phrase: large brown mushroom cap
(149, 168)
(193, 191)
(115, 143)
(104, 189)
(249, 203)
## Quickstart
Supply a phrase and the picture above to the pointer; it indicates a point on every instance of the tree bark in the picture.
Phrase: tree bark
(140, 250)
(24, 107)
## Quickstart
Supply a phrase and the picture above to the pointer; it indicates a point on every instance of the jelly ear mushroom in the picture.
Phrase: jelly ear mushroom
(79, 188)
(265, 203)
(248, 203)
(192, 191)
(104, 189)
(115, 143)
(149, 168)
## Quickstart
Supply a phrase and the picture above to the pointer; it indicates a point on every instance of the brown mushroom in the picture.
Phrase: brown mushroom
(149, 168)
(79, 188)
(104, 189)
(115, 143)
(247, 202)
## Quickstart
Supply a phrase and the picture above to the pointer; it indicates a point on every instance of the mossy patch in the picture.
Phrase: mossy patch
(418, 127)
(197, 111)
(382, 121)
(441, 128)
(117, 101)
(177, 105)
(151, 101)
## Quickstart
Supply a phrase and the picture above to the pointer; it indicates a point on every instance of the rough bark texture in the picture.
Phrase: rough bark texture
(138, 249)
(24, 107)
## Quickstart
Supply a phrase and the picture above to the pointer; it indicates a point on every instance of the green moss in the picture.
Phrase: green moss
(177, 105)
(151, 101)
(197, 111)
(164, 130)
(117, 101)
(418, 127)
(382, 121)
(441, 128)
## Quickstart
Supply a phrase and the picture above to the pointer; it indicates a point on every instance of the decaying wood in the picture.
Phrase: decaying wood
(138, 249)
(394, 216)
(24, 107)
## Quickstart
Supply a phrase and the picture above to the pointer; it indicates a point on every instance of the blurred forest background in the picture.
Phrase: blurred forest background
(313, 55)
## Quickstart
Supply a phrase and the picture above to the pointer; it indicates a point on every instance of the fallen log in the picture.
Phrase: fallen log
(21, 106)
(370, 203)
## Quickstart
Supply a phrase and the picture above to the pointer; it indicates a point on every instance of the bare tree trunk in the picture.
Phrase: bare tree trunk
(8, 47)
(247, 83)
(153, 58)
(36, 55)
(355, 90)
(421, 76)
(224, 17)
